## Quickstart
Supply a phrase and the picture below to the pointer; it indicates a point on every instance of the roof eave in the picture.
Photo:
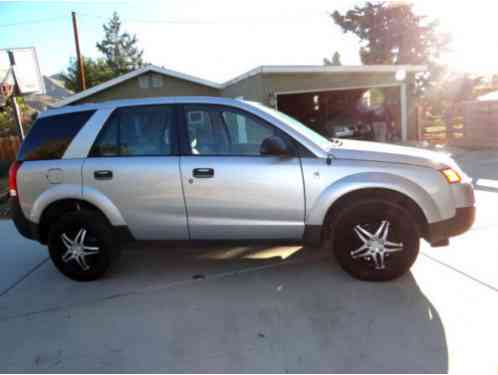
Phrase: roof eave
(313, 69)
(135, 73)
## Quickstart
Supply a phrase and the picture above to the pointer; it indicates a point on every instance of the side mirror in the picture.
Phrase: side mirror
(274, 146)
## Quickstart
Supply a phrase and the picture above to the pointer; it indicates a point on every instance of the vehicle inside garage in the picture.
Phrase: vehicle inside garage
(364, 113)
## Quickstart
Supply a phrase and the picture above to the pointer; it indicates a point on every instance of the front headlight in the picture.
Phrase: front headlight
(452, 176)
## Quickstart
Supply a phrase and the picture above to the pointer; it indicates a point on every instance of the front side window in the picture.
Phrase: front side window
(246, 134)
(225, 132)
(137, 131)
(316, 138)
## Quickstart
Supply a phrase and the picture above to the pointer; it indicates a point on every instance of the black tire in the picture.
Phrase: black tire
(367, 264)
(98, 234)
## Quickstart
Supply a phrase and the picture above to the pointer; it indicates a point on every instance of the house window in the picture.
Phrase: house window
(157, 81)
(143, 82)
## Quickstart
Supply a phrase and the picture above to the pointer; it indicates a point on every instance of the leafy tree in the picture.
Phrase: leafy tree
(335, 61)
(119, 48)
(120, 56)
(394, 34)
(451, 91)
(96, 71)
(7, 122)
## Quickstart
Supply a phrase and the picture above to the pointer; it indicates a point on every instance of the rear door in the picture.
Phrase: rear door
(134, 163)
(231, 191)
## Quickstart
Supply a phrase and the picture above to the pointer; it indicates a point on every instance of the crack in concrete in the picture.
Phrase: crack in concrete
(153, 290)
(24, 277)
(454, 269)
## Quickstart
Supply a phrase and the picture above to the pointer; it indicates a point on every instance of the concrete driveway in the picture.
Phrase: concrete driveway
(256, 308)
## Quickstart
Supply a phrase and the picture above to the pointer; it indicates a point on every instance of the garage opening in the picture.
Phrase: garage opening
(361, 113)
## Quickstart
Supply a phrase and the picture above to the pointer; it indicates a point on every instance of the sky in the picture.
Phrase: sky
(220, 39)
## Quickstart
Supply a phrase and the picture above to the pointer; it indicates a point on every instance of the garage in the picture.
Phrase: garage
(375, 97)
(359, 113)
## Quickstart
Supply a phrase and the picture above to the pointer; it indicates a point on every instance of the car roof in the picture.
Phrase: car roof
(147, 101)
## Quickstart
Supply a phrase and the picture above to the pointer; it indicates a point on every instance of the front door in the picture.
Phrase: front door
(135, 164)
(231, 191)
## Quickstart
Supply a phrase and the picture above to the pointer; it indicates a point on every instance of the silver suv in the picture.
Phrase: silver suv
(90, 177)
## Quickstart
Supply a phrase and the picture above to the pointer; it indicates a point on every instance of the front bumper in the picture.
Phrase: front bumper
(458, 224)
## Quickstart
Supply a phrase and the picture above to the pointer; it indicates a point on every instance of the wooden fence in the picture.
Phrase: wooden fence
(441, 129)
(472, 124)
(481, 125)
(8, 147)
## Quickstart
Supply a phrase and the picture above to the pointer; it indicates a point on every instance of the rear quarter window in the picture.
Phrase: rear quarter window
(50, 136)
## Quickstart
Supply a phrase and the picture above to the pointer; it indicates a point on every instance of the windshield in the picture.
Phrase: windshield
(313, 136)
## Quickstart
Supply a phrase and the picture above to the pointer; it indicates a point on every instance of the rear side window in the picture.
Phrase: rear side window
(49, 137)
(138, 131)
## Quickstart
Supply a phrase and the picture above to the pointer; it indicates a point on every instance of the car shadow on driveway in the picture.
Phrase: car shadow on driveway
(222, 308)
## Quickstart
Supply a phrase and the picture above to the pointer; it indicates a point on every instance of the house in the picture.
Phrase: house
(54, 92)
(308, 93)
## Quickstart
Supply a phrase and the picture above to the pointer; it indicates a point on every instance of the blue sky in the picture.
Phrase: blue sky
(219, 39)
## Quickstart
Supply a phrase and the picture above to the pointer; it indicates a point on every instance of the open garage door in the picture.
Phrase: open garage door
(360, 113)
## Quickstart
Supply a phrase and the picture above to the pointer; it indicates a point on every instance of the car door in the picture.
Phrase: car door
(231, 191)
(134, 162)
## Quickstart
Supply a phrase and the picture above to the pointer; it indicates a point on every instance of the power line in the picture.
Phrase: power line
(157, 21)
(131, 20)
(46, 20)
(230, 21)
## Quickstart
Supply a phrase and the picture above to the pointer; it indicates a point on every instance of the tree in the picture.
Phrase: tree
(8, 124)
(96, 71)
(393, 34)
(451, 91)
(119, 48)
(335, 61)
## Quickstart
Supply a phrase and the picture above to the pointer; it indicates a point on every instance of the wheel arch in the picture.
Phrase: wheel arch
(380, 185)
(59, 208)
(55, 202)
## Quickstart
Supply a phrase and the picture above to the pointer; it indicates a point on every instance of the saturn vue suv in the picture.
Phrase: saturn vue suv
(88, 178)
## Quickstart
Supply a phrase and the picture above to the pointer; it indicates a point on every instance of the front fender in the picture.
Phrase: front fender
(73, 191)
(372, 180)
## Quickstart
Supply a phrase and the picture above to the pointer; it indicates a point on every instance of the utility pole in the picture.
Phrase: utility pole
(78, 54)
(16, 91)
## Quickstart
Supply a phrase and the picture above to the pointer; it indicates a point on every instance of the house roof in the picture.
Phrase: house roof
(135, 73)
(304, 69)
(274, 69)
(55, 88)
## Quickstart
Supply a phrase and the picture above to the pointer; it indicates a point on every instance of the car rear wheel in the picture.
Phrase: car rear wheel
(81, 246)
(375, 240)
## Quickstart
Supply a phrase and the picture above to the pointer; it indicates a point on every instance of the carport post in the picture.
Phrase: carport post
(404, 112)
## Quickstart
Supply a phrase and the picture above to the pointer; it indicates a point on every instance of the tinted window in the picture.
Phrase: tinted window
(137, 131)
(204, 136)
(50, 136)
(246, 133)
(225, 132)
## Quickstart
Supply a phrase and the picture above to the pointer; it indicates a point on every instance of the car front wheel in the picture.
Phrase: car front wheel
(375, 240)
